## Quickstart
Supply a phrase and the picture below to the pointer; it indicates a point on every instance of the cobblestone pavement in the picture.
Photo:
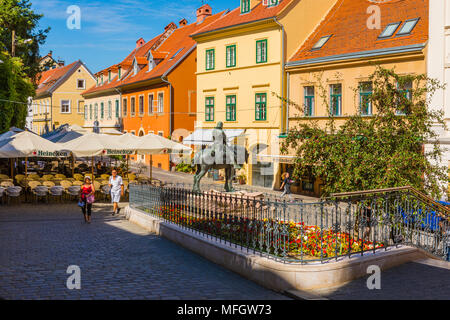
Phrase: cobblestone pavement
(118, 260)
(420, 280)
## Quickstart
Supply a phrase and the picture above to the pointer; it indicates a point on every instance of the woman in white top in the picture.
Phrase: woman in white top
(116, 185)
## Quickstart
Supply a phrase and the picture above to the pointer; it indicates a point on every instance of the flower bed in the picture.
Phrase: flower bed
(279, 238)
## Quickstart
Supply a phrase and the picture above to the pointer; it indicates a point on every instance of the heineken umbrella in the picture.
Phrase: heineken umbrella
(97, 144)
(154, 144)
(27, 144)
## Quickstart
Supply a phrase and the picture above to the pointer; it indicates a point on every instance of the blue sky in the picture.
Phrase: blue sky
(109, 29)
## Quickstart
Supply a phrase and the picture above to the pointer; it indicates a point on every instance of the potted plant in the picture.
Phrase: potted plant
(242, 178)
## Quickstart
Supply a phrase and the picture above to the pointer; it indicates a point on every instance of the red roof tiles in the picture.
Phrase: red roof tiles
(234, 17)
(50, 77)
(347, 23)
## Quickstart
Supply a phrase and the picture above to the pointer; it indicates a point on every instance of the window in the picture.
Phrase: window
(319, 44)
(176, 53)
(117, 109)
(102, 110)
(245, 6)
(79, 106)
(109, 76)
(85, 112)
(150, 104)
(96, 111)
(209, 109)
(261, 51)
(272, 3)
(120, 72)
(210, 56)
(81, 84)
(132, 106)
(389, 30)
(160, 102)
(365, 98)
(102, 79)
(161, 133)
(231, 56)
(109, 110)
(90, 112)
(125, 107)
(407, 27)
(336, 99)
(261, 106)
(406, 89)
(65, 106)
(141, 105)
(231, 108)
(309, 101)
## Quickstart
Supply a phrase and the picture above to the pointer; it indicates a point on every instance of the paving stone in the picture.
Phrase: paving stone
(118, 260)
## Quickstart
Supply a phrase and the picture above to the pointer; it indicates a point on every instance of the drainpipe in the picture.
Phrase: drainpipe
(283, 69)
(288, 88)
(164, 78)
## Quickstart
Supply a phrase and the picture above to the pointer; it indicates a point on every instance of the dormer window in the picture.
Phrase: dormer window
(109, 76)
(151, 61)
(407, 27)
(245, 6)
(119, 73)
(271, 3)
(135, 67)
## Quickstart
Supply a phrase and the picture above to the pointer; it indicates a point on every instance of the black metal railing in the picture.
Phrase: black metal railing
(302, 232)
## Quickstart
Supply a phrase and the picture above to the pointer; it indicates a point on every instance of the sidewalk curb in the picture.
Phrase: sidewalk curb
(303, 295)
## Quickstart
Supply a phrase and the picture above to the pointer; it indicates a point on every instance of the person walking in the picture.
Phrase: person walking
(87, 199)
(286, 185)
(116, 186)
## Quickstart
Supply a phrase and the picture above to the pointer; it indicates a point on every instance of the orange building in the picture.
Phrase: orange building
(159, 90)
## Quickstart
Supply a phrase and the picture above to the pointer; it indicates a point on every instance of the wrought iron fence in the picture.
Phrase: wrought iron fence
(302, 232)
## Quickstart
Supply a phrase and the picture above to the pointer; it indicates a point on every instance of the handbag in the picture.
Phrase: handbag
(90, 199)
(81, 203)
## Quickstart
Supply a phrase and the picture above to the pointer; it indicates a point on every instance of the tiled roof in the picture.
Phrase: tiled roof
(234, 17)
(171, 51)
(347, 23)
(50, 77)
(139, 52)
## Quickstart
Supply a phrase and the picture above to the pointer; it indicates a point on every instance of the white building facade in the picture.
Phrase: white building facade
(439, 68)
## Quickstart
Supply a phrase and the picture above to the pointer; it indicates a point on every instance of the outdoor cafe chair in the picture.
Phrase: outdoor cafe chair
(13, 192)
(65, 184)
(34, 176)
(77, 183)
(60, 176)
(131, 177)
(40, 192)
(2, 192)
(48, 184)
(47, 177)
(105, 176)
(3, 177)
(6, 184)
(105, 191)
(78, 177)
(73, 191)
(56, 191)
(17, 177)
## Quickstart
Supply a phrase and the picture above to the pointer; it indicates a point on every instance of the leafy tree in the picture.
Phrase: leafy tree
(372, 152)
(15, 88)
(17, 16)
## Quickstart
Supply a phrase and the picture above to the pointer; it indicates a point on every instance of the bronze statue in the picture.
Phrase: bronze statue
(219, 156)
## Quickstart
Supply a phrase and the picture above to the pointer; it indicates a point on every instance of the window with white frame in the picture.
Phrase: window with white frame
(80, 106)
(161, 133)
(160, 102)
(65, 106)
(109, 110)
(150, 103)
(141, 105)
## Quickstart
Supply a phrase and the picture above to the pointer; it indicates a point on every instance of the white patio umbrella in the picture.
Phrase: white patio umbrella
(154, 144)
(26, 145)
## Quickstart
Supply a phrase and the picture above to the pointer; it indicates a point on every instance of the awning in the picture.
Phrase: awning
(204, 136)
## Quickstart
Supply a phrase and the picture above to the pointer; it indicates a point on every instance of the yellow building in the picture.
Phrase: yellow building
(58, 97)
(340, 56)
(241, 79)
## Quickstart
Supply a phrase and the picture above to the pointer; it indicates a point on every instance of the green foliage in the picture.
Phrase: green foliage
(17, 15)
(14, 86)
(381, 151)
(184, 167)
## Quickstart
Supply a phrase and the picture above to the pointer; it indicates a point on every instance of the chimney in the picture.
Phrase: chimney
(182, 22)
(61, 63)
(140, 42)
(50, 53)
(203, 12)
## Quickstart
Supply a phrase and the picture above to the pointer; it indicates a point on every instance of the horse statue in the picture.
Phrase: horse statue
(219, 156)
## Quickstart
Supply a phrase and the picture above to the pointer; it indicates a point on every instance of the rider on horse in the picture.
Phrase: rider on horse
(220, 150)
